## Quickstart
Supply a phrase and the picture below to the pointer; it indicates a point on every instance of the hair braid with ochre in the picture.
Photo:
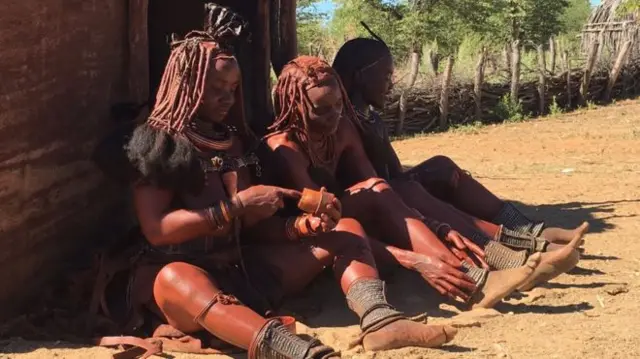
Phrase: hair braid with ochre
(159, 149)
(293, 106)
(182, 86)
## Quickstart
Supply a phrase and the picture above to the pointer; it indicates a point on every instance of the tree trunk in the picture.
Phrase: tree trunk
(434, 60)
(507, 54)
(415, 66)
(515, 74)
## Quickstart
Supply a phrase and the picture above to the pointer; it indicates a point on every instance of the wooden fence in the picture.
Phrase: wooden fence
(445, 104)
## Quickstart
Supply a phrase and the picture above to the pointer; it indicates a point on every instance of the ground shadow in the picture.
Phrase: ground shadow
(585, 272)
(542, 309)
(572, 214)
(594, 285)
(457, 349)
(324, 304)
(592, 257)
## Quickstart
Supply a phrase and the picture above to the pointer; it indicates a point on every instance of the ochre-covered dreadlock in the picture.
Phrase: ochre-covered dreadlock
(161, 150)
(182, 86)
(292, 107)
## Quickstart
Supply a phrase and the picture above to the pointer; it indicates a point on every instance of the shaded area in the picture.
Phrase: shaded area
(543, 309)
(572, 214)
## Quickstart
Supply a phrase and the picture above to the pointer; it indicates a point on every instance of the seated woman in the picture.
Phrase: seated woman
(193, 196)
(367, 79)
(317, 144)
(365, 67)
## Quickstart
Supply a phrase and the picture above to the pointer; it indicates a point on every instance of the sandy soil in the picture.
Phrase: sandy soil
(575, 167)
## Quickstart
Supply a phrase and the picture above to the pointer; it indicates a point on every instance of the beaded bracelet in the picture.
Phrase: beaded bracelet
(297, 228)
(220, 215)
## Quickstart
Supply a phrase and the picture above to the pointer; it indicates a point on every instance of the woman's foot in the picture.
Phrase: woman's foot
(564, 236)
(554, 263)
(500, 284)
(405, 333)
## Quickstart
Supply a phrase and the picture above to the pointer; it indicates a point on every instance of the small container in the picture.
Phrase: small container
(311, 201)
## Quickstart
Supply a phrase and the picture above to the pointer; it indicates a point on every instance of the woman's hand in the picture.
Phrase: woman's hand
(321, 224)
(445, 276)
(462, 245)
(261, 201)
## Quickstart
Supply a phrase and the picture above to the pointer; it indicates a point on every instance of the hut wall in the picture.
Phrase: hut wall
(63, 63)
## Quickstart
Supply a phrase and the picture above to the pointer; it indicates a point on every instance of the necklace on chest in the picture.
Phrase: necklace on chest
(210, 136)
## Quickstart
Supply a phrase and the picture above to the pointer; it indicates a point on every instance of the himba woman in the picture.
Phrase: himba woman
(194, 200)
(316, 143)
(367, 79)
(366, 68)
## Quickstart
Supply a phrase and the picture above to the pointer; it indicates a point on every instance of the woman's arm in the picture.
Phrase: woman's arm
(163, 226)
(291, 162)
(395, 166)
(354, 162)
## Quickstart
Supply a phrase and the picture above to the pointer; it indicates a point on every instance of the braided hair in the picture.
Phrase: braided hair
(159, 150)
(292, 107)
(359, 54)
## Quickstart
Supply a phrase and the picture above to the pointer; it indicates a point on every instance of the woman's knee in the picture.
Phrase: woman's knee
(350, 236)
(439, 175)
(183, 291)
(180, 282)
(441, 162)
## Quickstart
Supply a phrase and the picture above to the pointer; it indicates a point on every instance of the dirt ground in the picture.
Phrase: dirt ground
(566, 169)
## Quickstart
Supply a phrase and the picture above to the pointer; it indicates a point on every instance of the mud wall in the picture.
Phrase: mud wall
(63, 63)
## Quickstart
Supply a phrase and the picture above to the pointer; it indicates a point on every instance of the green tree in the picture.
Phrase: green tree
(629, 7)
(313, 35)
(530, 21)
(575, 16)
(407, 25)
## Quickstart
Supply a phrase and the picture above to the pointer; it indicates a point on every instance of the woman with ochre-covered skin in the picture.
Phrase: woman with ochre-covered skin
(195, 199)
(473, 210)
(316, 143)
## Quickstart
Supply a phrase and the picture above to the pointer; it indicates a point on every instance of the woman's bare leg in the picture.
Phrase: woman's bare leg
(444, 179)
(190, 301)
(347, 251)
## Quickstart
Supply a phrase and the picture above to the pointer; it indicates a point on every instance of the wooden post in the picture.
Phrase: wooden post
(615, 71)
(552, 50)
(284, 41)
(402, 113)
(586, 80)
(567, 64)
(444, 95)
(477, 84)
(515, 74)
(542, 68)
(600, 47)
(138, 74)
